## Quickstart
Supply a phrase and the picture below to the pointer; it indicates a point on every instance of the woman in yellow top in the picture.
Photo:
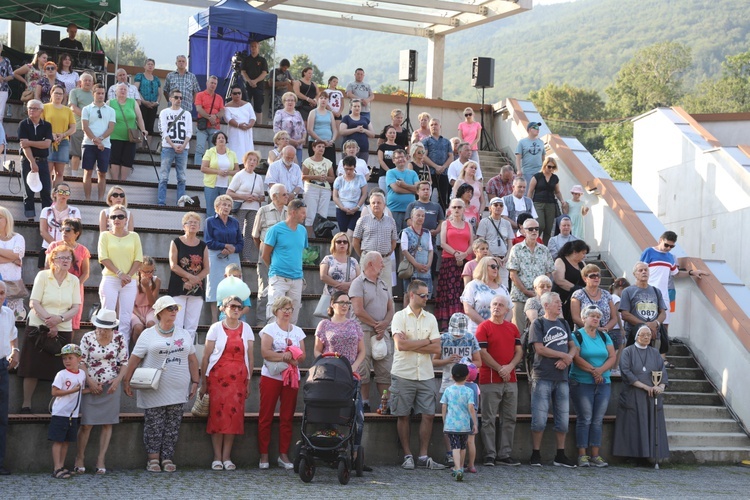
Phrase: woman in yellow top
(121, 255)
(54, 302)
(218, 166)
(63, 126)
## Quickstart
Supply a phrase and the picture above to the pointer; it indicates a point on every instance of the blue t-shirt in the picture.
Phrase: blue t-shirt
(532, 155)
(457, 417)
(593, 351)
(397, 202)
(286, 258)
(464, 346)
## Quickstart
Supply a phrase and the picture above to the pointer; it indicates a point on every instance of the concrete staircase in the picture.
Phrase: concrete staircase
(492, 162)
(700, 427)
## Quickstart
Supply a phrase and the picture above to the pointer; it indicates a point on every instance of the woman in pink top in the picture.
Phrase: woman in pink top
(456, 236)
(470, 131)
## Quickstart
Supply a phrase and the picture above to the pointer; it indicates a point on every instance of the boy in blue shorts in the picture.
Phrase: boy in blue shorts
(459, 416)
(67, 389)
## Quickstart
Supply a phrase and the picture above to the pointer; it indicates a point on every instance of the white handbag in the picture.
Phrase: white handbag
(379, 347)
(148, 378)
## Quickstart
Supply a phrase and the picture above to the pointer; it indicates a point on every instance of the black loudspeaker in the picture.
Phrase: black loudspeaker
(50, 37)
(483, 72)
(407, 66)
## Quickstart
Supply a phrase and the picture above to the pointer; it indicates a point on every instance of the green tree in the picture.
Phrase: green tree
(652, 78)
(388, 89)
(302, 61)
(617, 154)
(131, 52)
(730, 93)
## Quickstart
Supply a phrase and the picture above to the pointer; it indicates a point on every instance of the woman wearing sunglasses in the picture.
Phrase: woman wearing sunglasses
(226, 370)
(51, 219)
(478, 294)
(115, 196)
(163, 407)
(43, 89)
(121, 255)
(71, 231)
(63, 126)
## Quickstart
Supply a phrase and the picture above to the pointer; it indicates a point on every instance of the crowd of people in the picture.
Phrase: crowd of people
(505, 265)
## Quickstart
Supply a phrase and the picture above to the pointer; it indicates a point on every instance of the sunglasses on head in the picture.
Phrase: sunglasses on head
(118, 217)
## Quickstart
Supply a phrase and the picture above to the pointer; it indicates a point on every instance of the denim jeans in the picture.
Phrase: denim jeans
(590, 402)
(201, 138)
(211, 193)
(168, 156)
(541, 393)
(4, 394)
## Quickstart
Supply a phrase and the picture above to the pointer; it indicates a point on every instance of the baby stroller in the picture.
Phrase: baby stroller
(328, 420)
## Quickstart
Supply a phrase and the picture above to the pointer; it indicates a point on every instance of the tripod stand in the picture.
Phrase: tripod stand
(235, 79)
(486, 143)
(407, 124)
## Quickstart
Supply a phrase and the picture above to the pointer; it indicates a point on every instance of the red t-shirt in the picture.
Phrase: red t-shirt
(500, 342)
(210, 105)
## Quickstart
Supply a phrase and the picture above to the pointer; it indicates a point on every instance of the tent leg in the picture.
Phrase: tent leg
(208, 54)
(117, 44)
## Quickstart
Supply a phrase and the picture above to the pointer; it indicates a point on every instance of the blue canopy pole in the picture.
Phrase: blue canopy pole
(208, 54)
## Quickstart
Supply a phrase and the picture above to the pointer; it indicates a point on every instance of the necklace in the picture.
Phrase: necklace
(642, 358)
(164, 332)
(226, 324)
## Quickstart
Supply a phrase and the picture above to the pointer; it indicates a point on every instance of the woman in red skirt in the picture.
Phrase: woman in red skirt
(456, 237)
(225, 374)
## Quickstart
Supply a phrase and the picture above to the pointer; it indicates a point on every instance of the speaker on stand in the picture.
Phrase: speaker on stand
(407, 72)
(483, 76)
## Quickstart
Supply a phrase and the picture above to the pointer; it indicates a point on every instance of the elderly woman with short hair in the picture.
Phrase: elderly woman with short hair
(592, 294)
(290, 120)
(416, 247)
(225, 243)
(479, 293)
(590, 385)
(248, 187)
(163, 407)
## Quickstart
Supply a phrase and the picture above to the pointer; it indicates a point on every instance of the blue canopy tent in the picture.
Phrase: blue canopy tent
(216, 33)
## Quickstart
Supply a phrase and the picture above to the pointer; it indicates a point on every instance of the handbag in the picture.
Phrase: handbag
(27, 95)
(379, 348)
(202, 123)
(15, 289)
(236, 204)
(148, 378)
(275, 368)
(321, 310)
(39, 338)
(405, 269)
(200, 407)
(134, 134)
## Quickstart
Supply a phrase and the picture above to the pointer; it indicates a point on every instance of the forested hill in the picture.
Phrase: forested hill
(583, 43)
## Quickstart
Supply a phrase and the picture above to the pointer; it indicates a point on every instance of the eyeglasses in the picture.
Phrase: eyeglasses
(177, 97)
(535, 228)
(63, 258)
(236, 93)
(236, 307)
(49, 69)
(117, 195)
(342, 242)
(118, 217)
(172, 308)
(498, 203)
(422, 295)
(457, 207)
(34, 109)
(64, 192)
(551, 165)
(594, 276)
(668, 245)
(287, 310)
(468, 114)
(345, 304)
(67, 229)
(493, 266)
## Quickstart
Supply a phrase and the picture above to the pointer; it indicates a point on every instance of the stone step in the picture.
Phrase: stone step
(707, 425)
(708, 454)
(707, 439)
(703, 386)
(691, 398)
(686, 373)
(697, 412)
(683, 361)
(678, 349)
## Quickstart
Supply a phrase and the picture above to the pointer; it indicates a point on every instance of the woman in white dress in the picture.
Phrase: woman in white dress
(240, 117)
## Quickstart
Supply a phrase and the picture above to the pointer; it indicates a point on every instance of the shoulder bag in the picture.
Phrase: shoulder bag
(16, 289)
(321, 310)
(134, 134)
(202, 123)
(148, 378)
(39, 337)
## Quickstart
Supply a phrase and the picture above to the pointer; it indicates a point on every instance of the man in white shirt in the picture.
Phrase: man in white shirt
(286, 172)
(98, 121)
(464, 155)
(517, 203)
(176, 127)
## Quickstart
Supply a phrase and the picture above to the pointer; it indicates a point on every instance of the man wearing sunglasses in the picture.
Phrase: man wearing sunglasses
(98, 121)
(176, 127)
(35, 138)
(527, 260)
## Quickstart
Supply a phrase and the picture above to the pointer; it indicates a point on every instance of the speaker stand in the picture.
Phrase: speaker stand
(407, 124)
(486, 143)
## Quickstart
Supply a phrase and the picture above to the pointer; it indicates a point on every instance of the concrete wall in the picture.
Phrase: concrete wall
(695, 189)
(729, 132)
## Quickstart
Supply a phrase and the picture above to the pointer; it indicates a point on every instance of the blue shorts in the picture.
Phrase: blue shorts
(63, 429)
(92, 155)
(62, 155)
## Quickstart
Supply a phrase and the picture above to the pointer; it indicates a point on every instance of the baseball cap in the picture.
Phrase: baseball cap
(533, 125)
(70, 349)
(497, 199)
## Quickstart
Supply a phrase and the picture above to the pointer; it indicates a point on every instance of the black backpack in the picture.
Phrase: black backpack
(579, 336)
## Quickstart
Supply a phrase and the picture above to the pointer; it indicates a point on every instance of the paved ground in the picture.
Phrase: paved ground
(683, 482)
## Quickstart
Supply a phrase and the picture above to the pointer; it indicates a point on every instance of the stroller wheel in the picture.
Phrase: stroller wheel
(297, 456)
(307, 469)
(359, 462)
(343, 472)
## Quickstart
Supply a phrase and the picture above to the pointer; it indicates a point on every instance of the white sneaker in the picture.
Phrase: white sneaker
(408, 463)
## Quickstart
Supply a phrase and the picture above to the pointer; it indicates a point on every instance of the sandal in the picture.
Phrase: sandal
(228, 465)
(667, 364)
(153, 465)
(100, 471)
(217, 465)
(79, 470)
(62, 473)
(168, 466)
